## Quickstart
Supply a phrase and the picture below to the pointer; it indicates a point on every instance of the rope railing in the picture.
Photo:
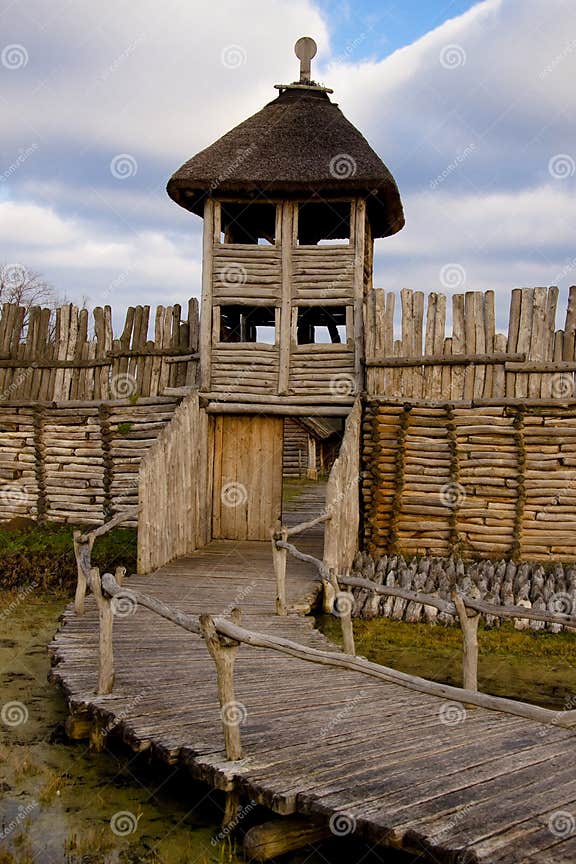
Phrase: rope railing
(223, 637)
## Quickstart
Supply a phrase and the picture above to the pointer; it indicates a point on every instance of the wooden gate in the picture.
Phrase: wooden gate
(247, 476)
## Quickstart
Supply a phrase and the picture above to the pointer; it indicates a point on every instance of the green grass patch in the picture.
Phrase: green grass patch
(44, 555)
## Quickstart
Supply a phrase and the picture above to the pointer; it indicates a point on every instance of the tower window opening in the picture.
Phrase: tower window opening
(248, 324)
(321, 324)
(324, 222)
(250, 223)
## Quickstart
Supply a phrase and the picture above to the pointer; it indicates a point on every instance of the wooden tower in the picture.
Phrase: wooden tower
(292, 200)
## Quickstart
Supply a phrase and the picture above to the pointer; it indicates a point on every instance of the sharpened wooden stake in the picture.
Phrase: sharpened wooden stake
(469, 621)
(223, 651)
(279, 557)
(106, 619)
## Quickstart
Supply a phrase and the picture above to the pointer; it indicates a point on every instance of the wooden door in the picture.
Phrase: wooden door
(247, 476)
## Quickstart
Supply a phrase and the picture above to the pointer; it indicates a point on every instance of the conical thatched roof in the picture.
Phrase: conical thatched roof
(299, 145)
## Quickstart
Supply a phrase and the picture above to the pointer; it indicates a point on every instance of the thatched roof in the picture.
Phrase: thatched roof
(300, 145)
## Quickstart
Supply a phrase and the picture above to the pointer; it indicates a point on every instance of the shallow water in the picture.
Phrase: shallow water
(61, 804)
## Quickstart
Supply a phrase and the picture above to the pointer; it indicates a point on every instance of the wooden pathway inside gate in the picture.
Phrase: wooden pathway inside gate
(390, 763)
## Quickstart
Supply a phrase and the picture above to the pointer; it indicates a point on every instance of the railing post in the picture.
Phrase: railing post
(82, 551)
(279, 557)
(106, 619)
(343, 606)
(223, 651)
(469, 621)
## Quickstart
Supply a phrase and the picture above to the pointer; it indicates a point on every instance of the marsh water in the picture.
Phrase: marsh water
(62, 804)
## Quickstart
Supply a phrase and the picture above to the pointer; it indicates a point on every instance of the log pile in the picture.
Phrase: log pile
(76, 462)
(501, 582)
(473, 481)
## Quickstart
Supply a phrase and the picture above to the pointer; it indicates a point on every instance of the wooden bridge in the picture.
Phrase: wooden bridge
(359, 755)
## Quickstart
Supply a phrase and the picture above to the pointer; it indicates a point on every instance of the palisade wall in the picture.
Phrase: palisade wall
(469, 437)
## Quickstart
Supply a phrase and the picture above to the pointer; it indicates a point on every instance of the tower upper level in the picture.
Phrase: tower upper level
(292, 200)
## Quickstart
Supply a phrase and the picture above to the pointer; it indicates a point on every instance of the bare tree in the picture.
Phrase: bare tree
(25, 287)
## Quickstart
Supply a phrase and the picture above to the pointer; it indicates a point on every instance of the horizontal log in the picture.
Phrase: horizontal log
(444, 360)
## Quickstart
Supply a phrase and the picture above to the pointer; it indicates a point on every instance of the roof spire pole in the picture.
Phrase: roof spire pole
(305, 49)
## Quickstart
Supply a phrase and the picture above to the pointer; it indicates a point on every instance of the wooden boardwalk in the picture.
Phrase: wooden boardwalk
(390, 764)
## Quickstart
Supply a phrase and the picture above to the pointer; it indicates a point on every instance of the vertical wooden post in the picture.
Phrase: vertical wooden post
(106, 619)
(469, 621)
(328, 596)
(279, 557)
(343, 605)
(223, 651)
(82, 553)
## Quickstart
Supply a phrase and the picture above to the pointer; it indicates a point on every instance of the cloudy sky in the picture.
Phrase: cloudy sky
(471, 105)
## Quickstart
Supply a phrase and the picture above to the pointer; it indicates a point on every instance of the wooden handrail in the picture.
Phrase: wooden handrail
(304, 526)
(230, 634)
(83, 544)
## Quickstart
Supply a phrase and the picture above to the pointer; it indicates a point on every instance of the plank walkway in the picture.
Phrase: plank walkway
(321, 741)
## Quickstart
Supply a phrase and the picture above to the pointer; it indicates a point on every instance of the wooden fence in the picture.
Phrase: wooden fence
(495, 481)
(50, 356)
(533, 360)
(175, 489)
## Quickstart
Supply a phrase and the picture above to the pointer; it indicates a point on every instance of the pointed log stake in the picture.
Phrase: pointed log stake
(223, 651)
(469, 621)
(106, 619)
(279, 557)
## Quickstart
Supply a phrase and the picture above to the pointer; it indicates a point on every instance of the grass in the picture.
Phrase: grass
(531, 665)
(43, 555)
